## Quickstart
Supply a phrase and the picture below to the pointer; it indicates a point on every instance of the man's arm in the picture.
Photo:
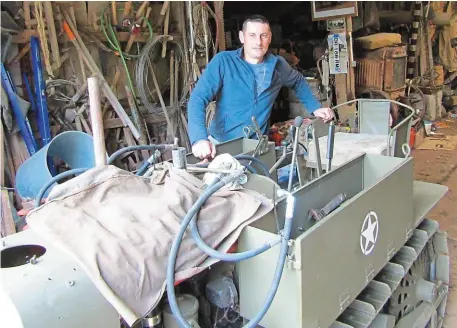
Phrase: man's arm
(204, 92)
(292, 78)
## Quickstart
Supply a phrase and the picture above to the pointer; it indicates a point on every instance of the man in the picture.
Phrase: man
(245, 83)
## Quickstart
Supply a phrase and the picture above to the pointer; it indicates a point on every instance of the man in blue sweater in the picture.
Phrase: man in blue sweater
(245, 83)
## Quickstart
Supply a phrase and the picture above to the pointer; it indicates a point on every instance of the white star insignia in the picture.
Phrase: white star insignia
(369, 233)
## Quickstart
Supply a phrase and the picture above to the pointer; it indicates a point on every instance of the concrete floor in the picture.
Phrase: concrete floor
(440, 166)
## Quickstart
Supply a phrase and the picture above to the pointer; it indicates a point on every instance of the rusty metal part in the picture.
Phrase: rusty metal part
(383, 69)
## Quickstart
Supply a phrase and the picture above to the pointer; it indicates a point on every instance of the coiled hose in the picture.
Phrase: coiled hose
(190, 216)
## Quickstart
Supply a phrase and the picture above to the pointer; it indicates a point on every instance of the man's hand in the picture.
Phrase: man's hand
(326, 114)
(204, 149)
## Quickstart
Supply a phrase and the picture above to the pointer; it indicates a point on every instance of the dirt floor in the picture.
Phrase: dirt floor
(440, 166)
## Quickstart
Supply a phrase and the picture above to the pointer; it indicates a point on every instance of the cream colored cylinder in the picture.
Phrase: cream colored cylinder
(96, 119)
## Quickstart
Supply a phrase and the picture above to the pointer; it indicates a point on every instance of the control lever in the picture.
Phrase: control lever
(284, 146)
(298, 121)
(330, 145)
(256, 127)
(318, 153)
(319, 214)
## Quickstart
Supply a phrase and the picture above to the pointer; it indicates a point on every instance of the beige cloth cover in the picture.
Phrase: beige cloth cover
(120, 228)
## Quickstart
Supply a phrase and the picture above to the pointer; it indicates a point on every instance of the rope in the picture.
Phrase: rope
(202, 28)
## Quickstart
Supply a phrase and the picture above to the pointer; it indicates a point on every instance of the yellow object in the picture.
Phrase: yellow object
(378, 40)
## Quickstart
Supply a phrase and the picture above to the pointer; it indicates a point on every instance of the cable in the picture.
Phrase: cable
(142, 69)
(303, 146)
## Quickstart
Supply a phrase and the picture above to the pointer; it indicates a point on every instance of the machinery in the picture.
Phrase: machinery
(350, 248)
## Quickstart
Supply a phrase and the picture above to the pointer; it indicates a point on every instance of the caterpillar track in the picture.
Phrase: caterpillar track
(410, 291)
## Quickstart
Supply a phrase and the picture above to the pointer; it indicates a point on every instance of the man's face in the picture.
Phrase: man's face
(256, 39)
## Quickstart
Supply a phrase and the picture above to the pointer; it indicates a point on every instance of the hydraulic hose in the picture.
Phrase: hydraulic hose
(111, 159)
(224, 256)
(212, 188)
(55, 179)
(265, 170)
(121, 151)
(143, 168)
(172, 257)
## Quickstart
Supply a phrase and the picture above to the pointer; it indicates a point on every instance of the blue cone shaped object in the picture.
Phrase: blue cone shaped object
(75, 148)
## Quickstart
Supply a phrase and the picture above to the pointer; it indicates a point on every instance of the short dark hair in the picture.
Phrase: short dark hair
(256, 19)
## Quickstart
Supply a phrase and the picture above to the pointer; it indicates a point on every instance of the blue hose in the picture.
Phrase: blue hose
(265, 169)
(143, 168)
(111, 159)
(55, 179)
(212, 188)
(224, 256)
(118, 153)
(250, 168)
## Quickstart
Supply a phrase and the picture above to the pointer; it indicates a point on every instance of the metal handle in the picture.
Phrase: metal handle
(395, 128)
(330, 145)
(318, 153)
(406, 149)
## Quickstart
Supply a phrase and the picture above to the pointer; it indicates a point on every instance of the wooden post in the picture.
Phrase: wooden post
(49, 15)
(7, 226)
(96, 120)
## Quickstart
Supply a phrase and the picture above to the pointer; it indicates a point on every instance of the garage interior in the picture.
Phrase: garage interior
(91, 84)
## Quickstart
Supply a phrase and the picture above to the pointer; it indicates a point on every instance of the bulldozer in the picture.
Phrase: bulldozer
(349, 248)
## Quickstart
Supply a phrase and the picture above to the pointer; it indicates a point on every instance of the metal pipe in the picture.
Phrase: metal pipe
(374, 100)
(391, 132)
(179, 158)
(395, 128)
(40, 93)
(22, 120)
(297, 123)
(280, 160)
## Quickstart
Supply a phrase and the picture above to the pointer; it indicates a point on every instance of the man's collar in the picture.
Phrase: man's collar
(267, 58)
